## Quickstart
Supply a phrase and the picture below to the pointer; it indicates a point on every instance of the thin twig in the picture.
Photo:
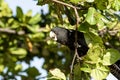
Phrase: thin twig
(76, 43)
(60, 2)
(76, 29)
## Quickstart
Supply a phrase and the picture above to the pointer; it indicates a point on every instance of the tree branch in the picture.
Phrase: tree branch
(21, 32)
(9, 31)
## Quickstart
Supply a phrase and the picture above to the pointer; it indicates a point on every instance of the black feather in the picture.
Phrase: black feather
(67, 37)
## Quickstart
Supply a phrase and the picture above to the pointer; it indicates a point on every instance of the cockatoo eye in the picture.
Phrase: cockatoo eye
(53, 35)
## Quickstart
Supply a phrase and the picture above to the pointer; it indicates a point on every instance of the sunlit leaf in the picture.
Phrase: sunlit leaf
(111, 25)
(34, 28)
(111, 56)
(18, 67)
(90, 18)
(18, 51)
(90, 0)
(95, 53)
(37, 36)
(98, 74)
(29, 13)
(35, 19)
(5, 10)
(75, 1)
(88, 70)
(58, 74)
(116, 4)
(100, 21)
(1, 68)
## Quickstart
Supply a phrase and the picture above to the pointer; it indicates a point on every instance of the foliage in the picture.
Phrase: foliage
(24, 36)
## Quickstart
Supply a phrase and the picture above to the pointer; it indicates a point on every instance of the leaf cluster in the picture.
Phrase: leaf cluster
(24, 36)
(99, 22)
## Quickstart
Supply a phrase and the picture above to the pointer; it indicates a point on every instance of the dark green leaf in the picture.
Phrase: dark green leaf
(19, 13)
(77, 72)
(84, 27)
(101, 4)
(43, 2)
(92, 38)
(32, 72)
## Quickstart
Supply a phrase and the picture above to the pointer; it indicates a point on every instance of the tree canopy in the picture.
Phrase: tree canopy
(24, 36)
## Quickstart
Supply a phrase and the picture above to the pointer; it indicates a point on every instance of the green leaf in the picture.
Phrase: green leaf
(95, 53)
(19, 13)
(32, 72)
(18, 67)
(88, 70)
(1, 68)
(58, 74)
(111, 56)
(34, 28)
(35, 19)
(90, 18)
(101, 4)
(89, 1)
(92, 38)
(116, 4)
(77, 72)
(18, 51)
(43, 2)
(84, 27)
(75, 1)
(5, 10)
(111, 25)
(29, 13)
(100, 21)
(98, 74)
(37, 36)
(2, 24)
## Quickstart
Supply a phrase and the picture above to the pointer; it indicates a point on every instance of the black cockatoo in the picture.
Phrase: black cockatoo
(67, 37)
